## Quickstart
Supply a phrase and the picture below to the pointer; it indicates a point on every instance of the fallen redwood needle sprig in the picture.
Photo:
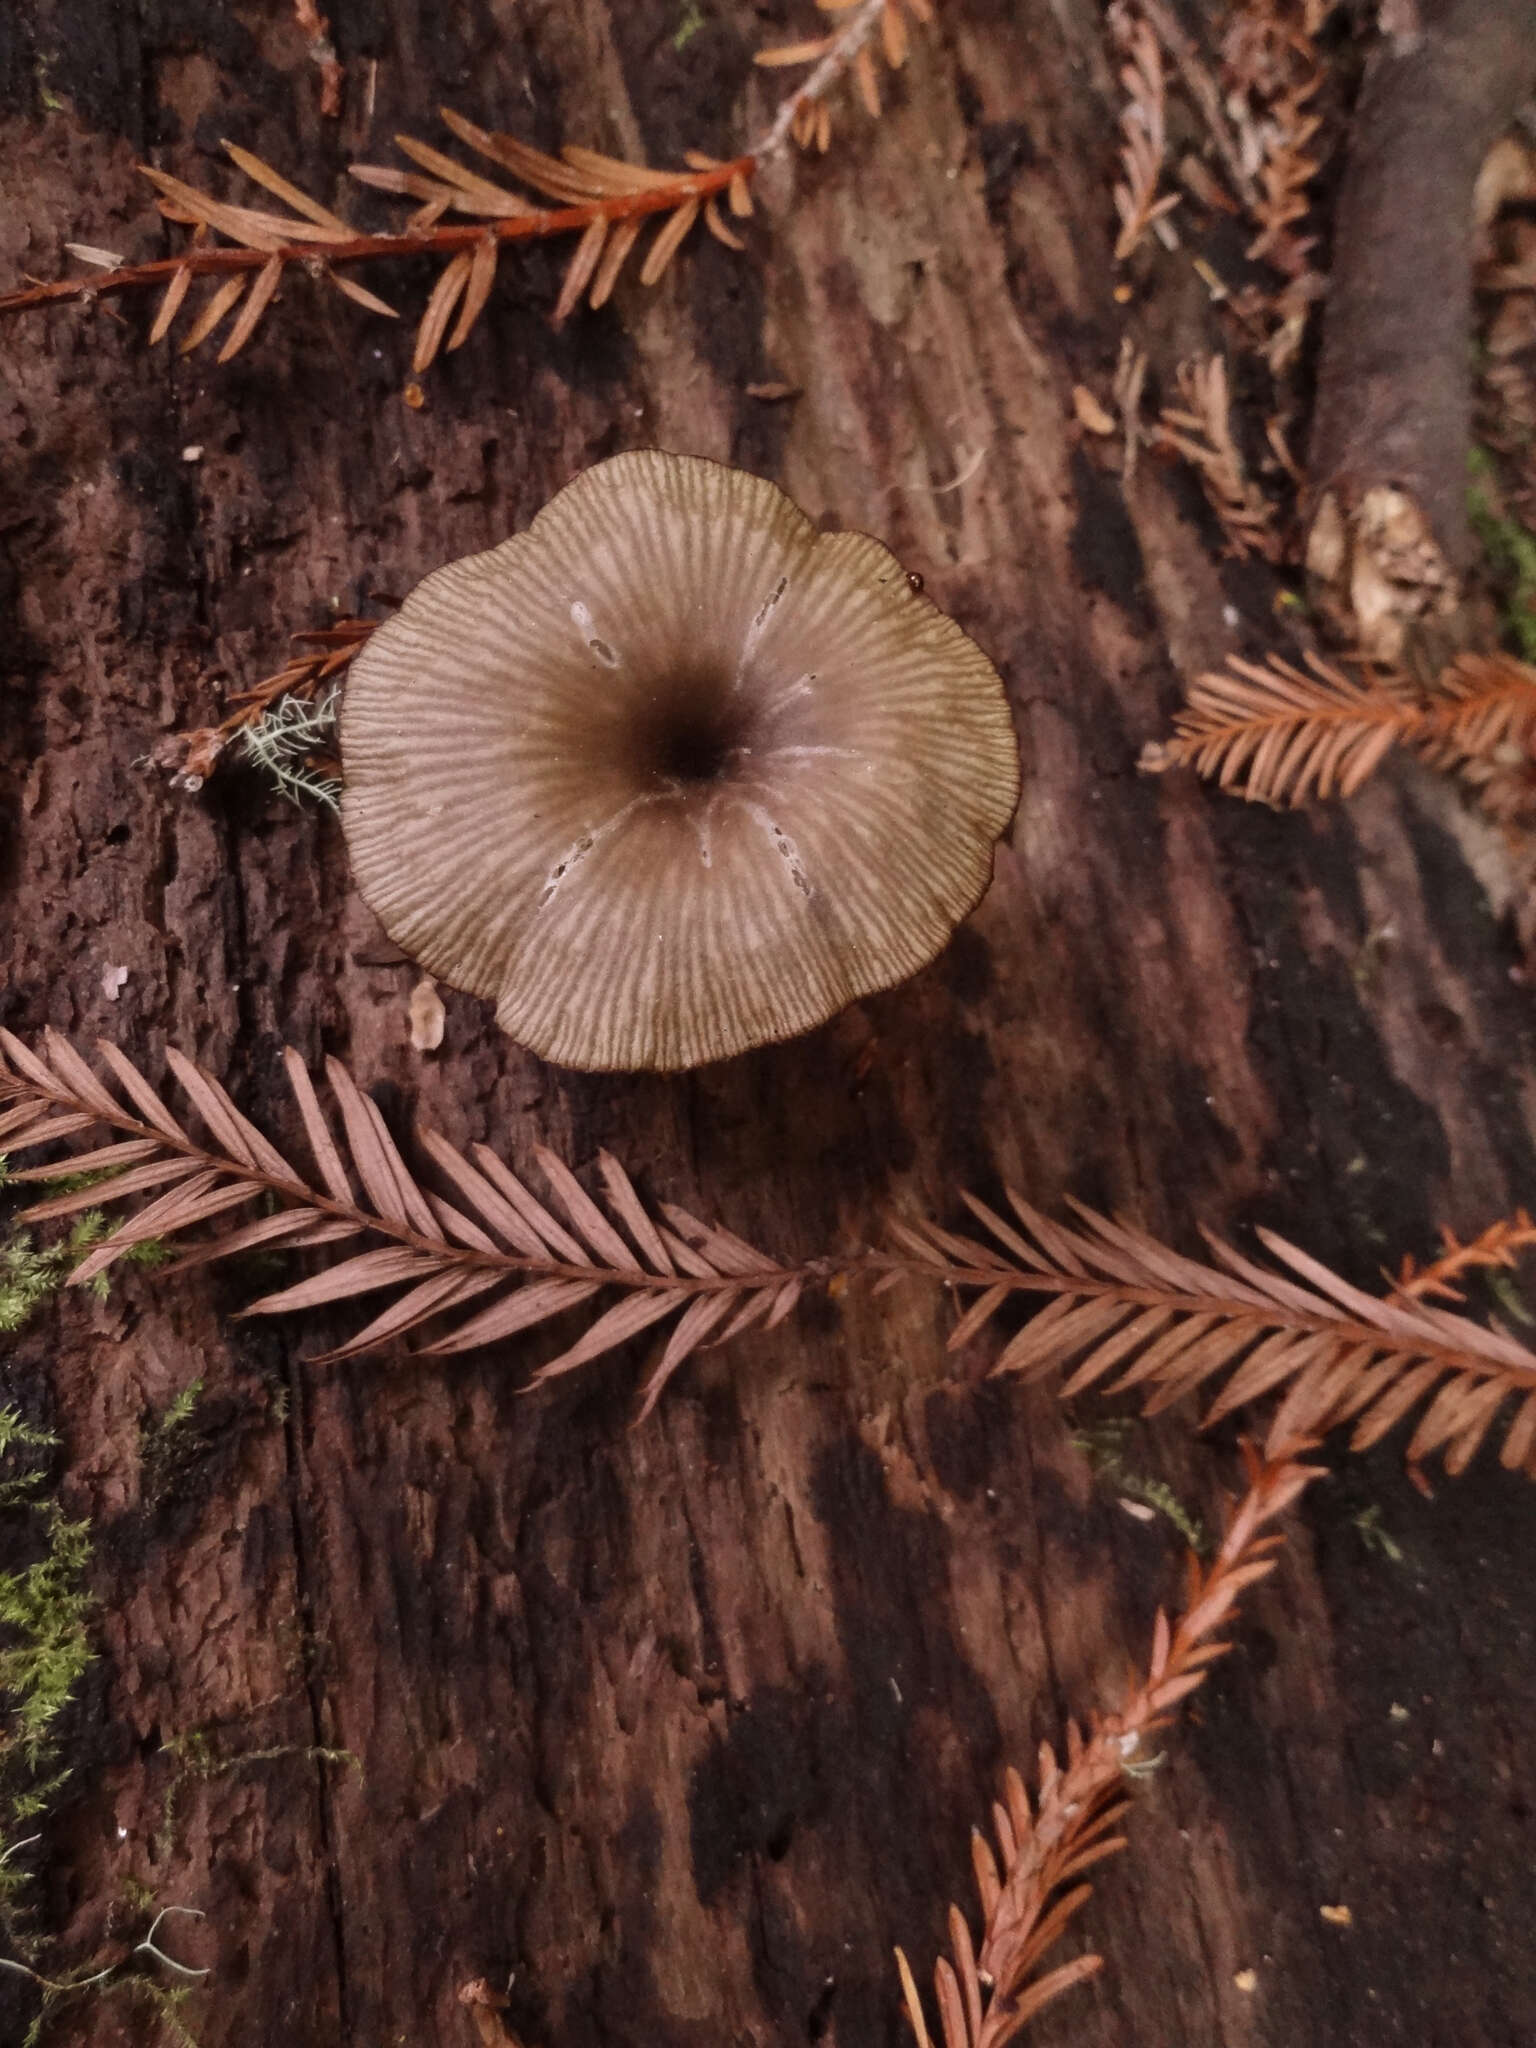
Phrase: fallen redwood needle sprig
(473, 1257)
(603, 200)
(478, 1254)
(1280, 735)
(986, 1995)
(470, 1255)
(323, 654)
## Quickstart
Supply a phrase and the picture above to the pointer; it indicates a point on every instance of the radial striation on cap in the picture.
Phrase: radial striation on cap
(672, 773)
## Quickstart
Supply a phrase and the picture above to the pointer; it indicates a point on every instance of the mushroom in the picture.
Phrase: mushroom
(672, 773)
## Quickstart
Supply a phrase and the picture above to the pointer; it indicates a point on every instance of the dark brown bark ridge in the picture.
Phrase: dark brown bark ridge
(681, 1728)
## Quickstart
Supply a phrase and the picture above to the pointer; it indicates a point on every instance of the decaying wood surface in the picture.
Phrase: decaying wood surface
(675, 1731)
(1389, 539)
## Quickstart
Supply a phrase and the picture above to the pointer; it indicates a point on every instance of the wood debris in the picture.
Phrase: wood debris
(1201, 431)
(1142, 124)
(427, 1015)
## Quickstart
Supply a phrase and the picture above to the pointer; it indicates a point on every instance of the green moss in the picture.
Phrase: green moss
(1104, 1447)
(163, 2002)
(45, 1647)
(17, 1488)
(137, 1895)
(690, 24)
(1372, 1533)
(46, 1604)
(1511, 1301)
(1510, 552)
(49, 99)
(131, 1981)
(46, 1608)
(168, 1443)
(179, 1408)
(192, 1750)
(44, 1644)
(30, 1273)
(77, 1183)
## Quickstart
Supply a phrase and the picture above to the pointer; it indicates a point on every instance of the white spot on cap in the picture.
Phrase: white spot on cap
(785, 847)
(572, 857)
(581, 618)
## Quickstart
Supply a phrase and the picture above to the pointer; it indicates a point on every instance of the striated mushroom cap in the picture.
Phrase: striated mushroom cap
(672, 773)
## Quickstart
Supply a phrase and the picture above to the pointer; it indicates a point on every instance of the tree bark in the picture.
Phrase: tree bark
(1387, 476)
(680, 1728)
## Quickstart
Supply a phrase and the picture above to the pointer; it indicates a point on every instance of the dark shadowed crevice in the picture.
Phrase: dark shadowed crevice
(307, 1598)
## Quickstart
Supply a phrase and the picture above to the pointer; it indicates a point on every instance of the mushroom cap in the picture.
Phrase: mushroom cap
(672, 773)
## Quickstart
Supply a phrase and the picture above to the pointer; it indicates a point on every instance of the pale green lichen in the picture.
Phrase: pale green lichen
(283, 743)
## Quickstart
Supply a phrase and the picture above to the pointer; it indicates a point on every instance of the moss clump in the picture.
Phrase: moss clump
(45, 1603)
(1509, 549)
(45, 1646)
(30, 1273)
(1104, 1446)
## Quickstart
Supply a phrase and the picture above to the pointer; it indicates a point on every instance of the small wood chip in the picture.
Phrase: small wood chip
(427, 1015)
(102, 259)
(1246, 1980)
(485, 2008)
(1337, 1916)
(1090, 413)
(773, 391)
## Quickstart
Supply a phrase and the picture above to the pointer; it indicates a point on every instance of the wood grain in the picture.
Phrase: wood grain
(680, 1728)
